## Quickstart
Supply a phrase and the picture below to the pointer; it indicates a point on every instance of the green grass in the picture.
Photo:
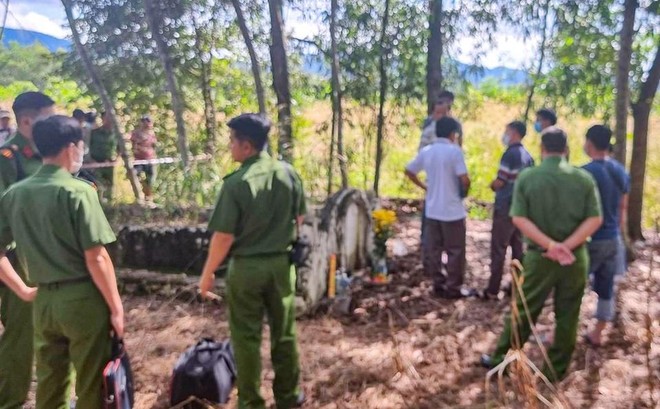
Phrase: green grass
(483, 124)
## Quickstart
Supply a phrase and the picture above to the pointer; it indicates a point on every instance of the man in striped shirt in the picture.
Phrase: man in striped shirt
(504, 233)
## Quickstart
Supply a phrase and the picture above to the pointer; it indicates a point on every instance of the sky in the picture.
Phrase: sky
(509, 50)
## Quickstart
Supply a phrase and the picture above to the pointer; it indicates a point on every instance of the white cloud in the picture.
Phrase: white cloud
(49, 20)
(507, 50)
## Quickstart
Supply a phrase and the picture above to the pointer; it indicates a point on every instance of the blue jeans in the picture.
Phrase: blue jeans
(603, 266)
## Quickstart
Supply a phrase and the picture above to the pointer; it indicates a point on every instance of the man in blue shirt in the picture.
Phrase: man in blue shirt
(444, 229)
(613, 185)
(504, 233)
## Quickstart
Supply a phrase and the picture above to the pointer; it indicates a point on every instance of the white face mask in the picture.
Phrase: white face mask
(77, 163)
(506, 139)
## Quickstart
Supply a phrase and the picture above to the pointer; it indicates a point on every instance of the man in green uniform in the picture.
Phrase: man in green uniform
(18, 160)
(557, 208)
(103, 148)
(61, 232)
(254, 224)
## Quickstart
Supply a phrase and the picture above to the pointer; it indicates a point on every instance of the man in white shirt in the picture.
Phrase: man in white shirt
(447, 185)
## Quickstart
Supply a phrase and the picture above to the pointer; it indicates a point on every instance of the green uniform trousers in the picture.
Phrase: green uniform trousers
(258, 285)
(16, 348)
(71, 326)
(541, 277)
(105, 178)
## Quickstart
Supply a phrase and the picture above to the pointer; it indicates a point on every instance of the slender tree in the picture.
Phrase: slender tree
(382, 68)
(280, 69)
(256, 70)
(641, 112)
(622, 79)
(434, 55)
(105, 98)
(337, 114)
(154, 19)
(205, 58)
(539, 68)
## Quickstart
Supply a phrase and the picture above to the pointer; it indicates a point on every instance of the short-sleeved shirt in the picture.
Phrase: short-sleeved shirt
(429, 134)
(556, 197)
(53, 217)
(258, 205)
(144, 144)
(613, 182)
(21, 151)
(103, 145)
(443, 163)
(514, 160)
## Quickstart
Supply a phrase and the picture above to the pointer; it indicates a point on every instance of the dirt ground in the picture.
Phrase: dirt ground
(402, 348)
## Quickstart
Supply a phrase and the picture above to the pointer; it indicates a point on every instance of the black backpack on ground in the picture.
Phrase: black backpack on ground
(206, 371)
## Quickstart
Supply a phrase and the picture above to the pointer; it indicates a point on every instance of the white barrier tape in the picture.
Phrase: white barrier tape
(98, 165)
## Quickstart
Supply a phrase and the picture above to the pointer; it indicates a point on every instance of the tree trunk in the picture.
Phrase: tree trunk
(544, 38)
(434, 56)
(205, 78)
(256, 71)
(331, 156)
(154, 19)
(281, 81)
(384, 51)
(108, 106)
(337, 114)
(641, 113)
(622, 80)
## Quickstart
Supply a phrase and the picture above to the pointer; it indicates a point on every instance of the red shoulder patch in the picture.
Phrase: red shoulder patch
(28, 152)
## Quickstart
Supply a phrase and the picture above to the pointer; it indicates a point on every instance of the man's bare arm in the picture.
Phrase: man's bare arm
(497, 184)
(218, 250)
(532, 232)
(102, 271)
(583, 232)
(12, 280)
(465, 183)
(415, 179)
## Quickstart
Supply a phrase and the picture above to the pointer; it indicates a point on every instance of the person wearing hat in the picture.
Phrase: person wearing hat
(143, 140)
(103, 149)
(61, 233)
(557, 208)
(18, 160)
(254, 224)
(613, 185)
(6, 131)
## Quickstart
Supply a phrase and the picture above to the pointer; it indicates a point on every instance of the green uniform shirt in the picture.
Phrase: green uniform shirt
(556, 197)
(54, 218)
(257, 205)
(103, 145)
(25, 153)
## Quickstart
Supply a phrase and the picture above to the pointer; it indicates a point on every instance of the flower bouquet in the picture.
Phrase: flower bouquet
(383, 229)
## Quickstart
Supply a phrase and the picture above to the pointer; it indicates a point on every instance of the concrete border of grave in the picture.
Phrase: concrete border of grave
(342, 226)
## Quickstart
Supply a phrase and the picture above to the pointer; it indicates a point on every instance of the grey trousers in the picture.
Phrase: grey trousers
(445, 237)
(504, 234)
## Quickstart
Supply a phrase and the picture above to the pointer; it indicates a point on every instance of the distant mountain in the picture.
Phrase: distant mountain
(503, 75)
(314, 64)
(26, 37)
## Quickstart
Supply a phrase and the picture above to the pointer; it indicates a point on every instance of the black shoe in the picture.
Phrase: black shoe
(300, 400)
(486, 361)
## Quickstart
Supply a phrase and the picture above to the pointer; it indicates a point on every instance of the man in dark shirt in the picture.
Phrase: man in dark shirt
(613, 185)
(504, 233)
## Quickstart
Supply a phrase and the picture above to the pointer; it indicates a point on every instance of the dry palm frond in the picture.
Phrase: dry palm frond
(203, 403)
